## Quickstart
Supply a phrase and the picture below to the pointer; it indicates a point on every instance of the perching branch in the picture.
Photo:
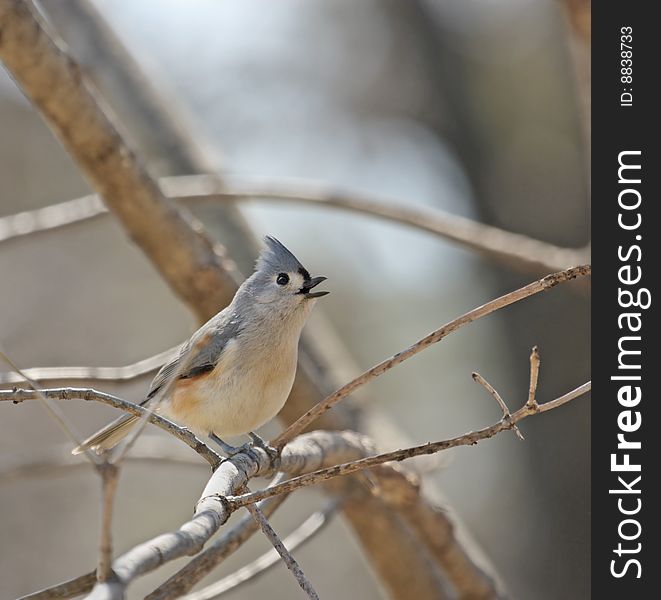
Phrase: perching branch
(467, 439)
(211, 511)
(531, 289)
(535, 287)
(309, 450)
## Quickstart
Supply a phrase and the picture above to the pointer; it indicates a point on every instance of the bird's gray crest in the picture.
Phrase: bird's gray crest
(275, 258)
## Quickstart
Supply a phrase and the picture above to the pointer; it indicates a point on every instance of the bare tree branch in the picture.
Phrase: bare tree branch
(282, 551)
(511, 249)
(309, 450)
(506, 411)
(467, 439)
(531, 289)
(499, 303)
(305, 532)
(121, 373)
(217, 502)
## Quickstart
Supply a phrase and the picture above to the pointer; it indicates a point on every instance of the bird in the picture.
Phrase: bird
(236, 371)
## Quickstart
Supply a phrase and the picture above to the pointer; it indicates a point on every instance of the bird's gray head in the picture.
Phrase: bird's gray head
(281, 280)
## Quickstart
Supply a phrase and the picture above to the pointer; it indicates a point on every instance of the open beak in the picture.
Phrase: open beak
(308, 285)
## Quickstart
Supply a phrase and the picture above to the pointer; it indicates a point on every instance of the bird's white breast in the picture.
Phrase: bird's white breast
(247, 388)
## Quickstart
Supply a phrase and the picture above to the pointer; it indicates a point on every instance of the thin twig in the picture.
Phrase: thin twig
(534, 376)
(506, 411)
(280, 548)
(109, 477)
(52, 409)
(305, 532)
(20, 395)
(436, 336)
(467, 439)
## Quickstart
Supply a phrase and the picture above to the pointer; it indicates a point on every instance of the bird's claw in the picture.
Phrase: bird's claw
(259, 442)
(256, 442)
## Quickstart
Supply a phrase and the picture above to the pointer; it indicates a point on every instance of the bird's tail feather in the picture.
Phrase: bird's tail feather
(109, 436)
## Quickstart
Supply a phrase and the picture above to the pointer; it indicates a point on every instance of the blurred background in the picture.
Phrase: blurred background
(469, 106)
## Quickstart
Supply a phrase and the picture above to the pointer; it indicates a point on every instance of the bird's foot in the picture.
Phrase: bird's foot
(227, 449)
(257, 442)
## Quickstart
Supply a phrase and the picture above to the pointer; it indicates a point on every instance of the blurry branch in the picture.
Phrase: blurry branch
(54, 83)
(19, 395)
(512, 249)
(305, 532)
(58, 461)
(282, 551)
(468, 439)
(123, 373)
(71, 588)
(578, 14)
(160, 126)
(436, 336)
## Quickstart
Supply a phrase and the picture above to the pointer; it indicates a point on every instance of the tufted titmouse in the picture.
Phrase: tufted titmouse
(236, 371)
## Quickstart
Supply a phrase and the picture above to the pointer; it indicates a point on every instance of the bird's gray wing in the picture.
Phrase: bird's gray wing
(206, 344)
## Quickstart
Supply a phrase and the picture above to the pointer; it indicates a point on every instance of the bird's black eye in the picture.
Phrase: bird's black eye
(283, 279)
